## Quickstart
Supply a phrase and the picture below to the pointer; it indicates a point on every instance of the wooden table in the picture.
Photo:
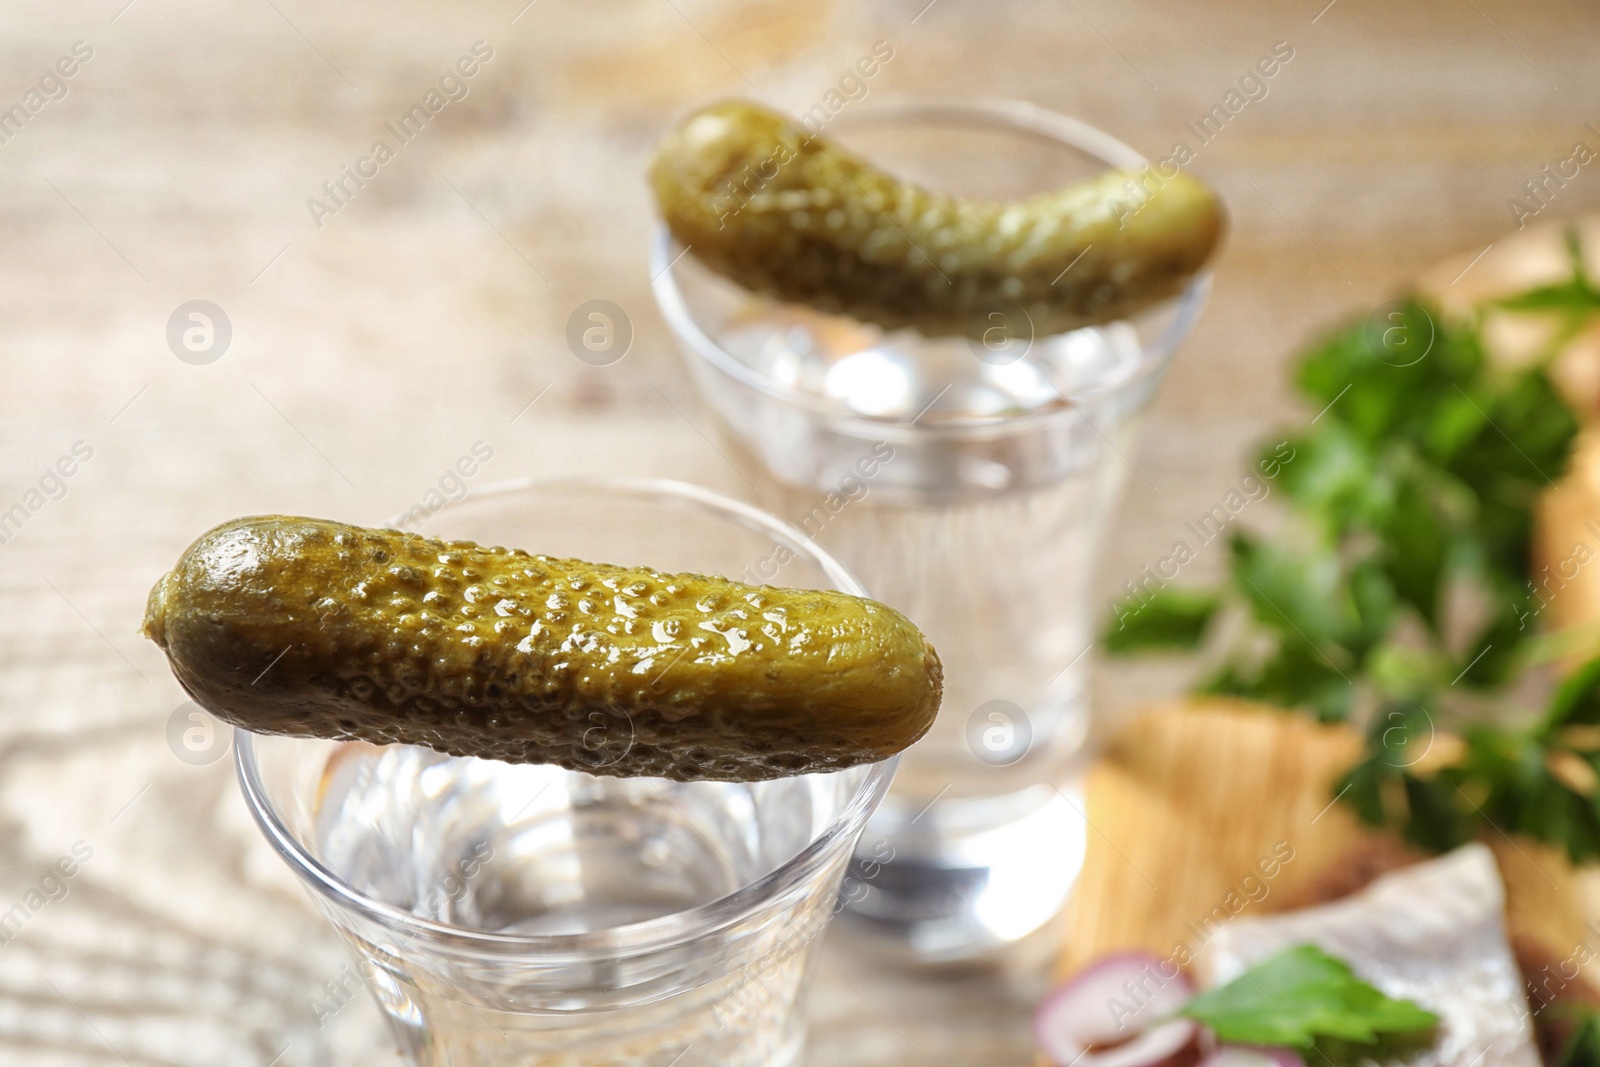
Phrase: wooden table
(374, 344)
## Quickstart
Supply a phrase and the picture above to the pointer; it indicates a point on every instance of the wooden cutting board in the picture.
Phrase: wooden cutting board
(1204, 810)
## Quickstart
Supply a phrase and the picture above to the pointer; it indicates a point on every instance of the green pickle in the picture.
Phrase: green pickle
(313, 628)
(782, 212)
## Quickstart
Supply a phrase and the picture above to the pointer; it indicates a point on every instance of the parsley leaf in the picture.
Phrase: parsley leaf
(1300, 996)
(1577, 699)
(1577, 294)
(1167, 618)
(1583, 1048)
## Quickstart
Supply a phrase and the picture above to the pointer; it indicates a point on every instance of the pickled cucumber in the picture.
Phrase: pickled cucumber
(313, 628)
(762, 201)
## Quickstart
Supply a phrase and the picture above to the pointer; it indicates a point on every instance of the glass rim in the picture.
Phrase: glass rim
(629, 938)
(1020, 116)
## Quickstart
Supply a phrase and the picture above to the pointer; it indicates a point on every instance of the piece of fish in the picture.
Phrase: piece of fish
(1433, 933)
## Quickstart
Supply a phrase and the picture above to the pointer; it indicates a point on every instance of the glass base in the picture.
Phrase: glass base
(964, 881)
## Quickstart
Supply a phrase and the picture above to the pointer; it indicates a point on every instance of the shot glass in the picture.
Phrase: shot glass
(969, 482)
(529, 915)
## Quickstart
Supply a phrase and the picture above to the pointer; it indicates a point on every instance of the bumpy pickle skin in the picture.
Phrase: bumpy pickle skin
(759, 199)
(313, 628)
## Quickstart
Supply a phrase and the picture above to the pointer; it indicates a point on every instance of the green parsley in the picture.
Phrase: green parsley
(1401, 597)
(1583, 1047)
(1301, 997)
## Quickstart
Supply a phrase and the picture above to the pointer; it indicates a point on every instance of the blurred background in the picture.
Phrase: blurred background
(370, 337)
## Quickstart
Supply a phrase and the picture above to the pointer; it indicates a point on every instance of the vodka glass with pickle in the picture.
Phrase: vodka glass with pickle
(969, 481)
(526, 915)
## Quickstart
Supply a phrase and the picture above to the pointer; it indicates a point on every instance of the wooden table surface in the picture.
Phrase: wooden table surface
(374, 344)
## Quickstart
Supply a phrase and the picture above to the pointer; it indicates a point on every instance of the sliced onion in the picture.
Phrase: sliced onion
(1108, 1015)
(1253, 1056)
